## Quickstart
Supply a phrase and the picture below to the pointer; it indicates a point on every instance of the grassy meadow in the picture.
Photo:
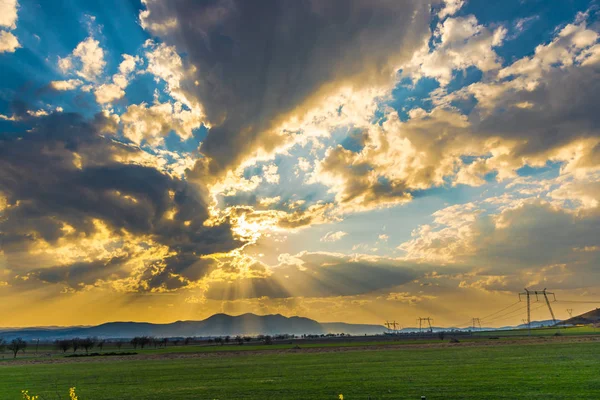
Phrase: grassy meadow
(545, 370)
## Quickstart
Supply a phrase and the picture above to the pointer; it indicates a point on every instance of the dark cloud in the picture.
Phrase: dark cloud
(64, 170)
(563, 108)
(321, 275)
(257, 63)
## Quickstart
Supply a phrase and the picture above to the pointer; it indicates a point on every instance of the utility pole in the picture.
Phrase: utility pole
(570, 311)
(528, 294)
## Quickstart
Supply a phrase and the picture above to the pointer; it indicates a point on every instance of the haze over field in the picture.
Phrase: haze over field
(344, 160)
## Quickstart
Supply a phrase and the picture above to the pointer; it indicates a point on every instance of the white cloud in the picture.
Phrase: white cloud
(451, 7)
(463, 43)
(8, 13)
(152, 123)
(8, 42)
(8, 19)
(109, 92)
(70, 84)
(87, 60)
(270, 173)
(333, 236)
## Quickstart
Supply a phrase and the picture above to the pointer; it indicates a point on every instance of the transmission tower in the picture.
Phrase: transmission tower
(570, 311)
(545, 294)
(527, 293)
(421, 320)
(393, 326)
(476, 323)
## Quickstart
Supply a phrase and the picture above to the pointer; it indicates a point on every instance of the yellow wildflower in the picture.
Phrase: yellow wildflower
(72, 393)
(26, 395)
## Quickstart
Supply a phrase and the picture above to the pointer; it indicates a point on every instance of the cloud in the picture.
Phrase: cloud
(250, 81)
(86, 60)
(462, 43)
(316, 275)
(8, 14)
(109, 92)
(8, 20)
(451, 7)
(333, 236)
(70, 84)
(71, 192)
(8, 42)
(152, 123)
(516, 241)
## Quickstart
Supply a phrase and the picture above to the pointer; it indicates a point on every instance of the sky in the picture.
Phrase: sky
(342, 160)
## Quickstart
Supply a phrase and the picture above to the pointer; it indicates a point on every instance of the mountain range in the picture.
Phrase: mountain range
(216, 325)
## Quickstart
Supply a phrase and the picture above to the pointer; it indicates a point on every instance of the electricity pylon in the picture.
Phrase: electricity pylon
(391, 325)
(528, 294)
(570, 311)
(544, 293)
(476, 322)
(420, 320)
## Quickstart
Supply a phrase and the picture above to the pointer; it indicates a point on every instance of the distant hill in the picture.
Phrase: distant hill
(588, 318)
(352, 329)
(216, 325)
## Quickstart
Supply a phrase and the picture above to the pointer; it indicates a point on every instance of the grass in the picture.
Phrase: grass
(547, 331)
(532, 371)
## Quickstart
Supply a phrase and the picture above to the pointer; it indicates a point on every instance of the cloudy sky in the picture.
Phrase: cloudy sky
(344, 160)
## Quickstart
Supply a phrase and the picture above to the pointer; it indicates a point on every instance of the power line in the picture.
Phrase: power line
(499, 311)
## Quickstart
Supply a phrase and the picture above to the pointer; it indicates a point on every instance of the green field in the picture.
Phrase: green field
(546, 370)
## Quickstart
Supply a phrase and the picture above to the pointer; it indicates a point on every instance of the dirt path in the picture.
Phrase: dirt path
(390, 346)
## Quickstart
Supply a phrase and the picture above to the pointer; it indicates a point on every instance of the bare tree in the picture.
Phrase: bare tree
(63, 344)
(75, 343)
(17, 345)
(2, 345)
(100, 344)
(118, 344)
(141, 341)
(87, 344)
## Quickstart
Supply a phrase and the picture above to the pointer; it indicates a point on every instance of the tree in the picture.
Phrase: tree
(17, 345)
(239, 340)
(63, 345)
(87, 344)
(187, 340)
(144, 340)
(100, 344)
(118, 343)
(227, 339)
(75, 343)
(441, 335)
(268, 340)
(135, 341)
(2, 345)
